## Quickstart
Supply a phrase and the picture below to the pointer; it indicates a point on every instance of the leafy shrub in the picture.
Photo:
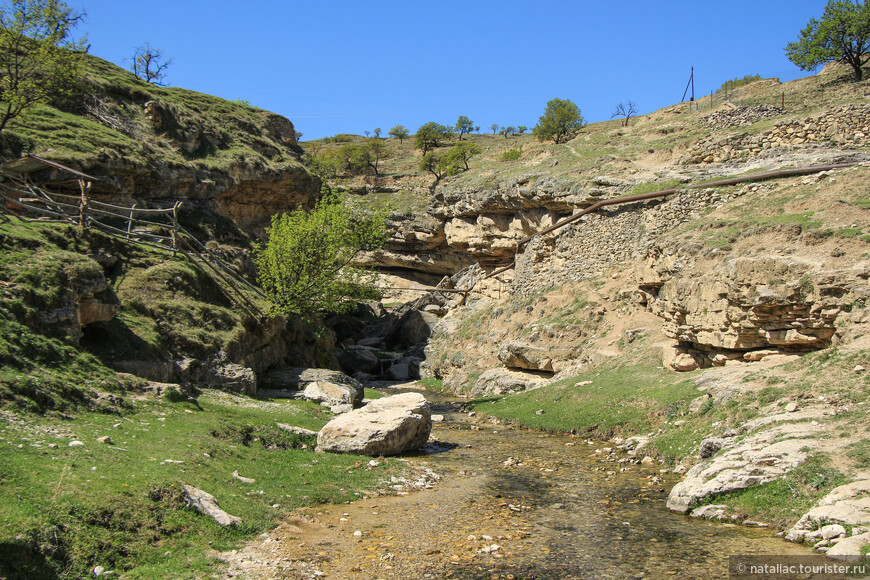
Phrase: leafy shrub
(738, 82)
(511, 155)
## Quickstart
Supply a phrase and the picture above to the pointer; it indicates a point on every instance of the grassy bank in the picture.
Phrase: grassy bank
(616, 398)
(64, 510)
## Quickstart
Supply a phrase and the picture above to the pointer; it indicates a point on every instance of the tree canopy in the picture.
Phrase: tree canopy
(453, 162)
(307, 263)
(351, 158)
(463, 125)
(843, 34)
(430, 135)
(399, 132)
(560, 122)
(38, 58)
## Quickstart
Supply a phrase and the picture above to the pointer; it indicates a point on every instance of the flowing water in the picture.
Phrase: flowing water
(514, 504)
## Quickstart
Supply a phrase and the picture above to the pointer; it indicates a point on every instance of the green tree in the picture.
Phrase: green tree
(399, 132)
(38, 58)
(377, 133)
(356, 158)
(843, 34)
(507, 131)
(378, 151)
(327, 164)
(433, 164)
(521, 129)
(307, 265)
(494, 128)
(463, 125)
(430, 135)
(456, 159)
(150, 65)
(453, 162)
(560, 122)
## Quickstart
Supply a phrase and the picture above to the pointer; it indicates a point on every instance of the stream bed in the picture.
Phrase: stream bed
(511, 504)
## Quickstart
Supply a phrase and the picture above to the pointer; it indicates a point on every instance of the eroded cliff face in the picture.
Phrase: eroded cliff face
(154, 146)
(749, 307)
(465, 225)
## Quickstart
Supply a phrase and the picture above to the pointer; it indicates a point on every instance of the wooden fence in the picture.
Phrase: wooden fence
(155, 227)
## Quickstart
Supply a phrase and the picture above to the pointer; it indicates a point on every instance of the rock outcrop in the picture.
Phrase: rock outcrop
(747, 307)
(386, 426)
(503, 381)
(760, 458)
(846, 505)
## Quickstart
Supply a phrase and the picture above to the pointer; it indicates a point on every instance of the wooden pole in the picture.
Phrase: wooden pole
(85, 187)
(175, 225)
(130, 220)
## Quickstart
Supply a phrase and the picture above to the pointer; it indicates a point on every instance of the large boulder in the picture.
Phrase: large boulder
(387, 426)
(522, 355)
(333, 394)
(233, 378)
(502, 381)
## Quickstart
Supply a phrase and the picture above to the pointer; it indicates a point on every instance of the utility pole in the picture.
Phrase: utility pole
(691, 84)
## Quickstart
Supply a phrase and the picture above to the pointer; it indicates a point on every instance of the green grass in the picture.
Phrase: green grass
(66, 509)
(859, 452)
(784, 501)
(623, 398)
(432, 384)
(650, 187)
(195, 128)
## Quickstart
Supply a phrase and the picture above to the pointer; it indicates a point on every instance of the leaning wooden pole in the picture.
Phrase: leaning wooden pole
(85, 187)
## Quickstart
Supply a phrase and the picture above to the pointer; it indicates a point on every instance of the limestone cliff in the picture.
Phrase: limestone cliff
(157, 145)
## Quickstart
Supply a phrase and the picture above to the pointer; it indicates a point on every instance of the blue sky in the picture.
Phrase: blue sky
(338, 66)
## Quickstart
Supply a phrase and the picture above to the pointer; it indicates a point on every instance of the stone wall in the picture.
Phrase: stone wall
(740, 116)
(611, 236)
(846, 126)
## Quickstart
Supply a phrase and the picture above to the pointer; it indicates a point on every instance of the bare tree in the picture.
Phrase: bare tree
(626, 111)
(149, 64)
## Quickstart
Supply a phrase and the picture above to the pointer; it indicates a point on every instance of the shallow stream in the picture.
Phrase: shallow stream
(515, 503)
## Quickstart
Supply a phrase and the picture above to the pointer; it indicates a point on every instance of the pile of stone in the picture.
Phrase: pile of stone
(845, 126)
(741, 116)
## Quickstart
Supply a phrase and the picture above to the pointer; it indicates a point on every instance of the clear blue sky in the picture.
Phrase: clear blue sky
(347, 66)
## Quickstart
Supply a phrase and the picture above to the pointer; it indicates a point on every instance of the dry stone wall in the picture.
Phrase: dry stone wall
(600, 240)
(846, 127)
(741, 116)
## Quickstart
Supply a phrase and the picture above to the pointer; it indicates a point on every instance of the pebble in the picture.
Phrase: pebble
(75, 444)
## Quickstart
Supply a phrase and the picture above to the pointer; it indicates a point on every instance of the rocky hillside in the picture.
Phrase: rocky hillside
(157, 145)
(746, 303)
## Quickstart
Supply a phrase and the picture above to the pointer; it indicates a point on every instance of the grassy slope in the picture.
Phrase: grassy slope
(66, 509)
(106, 120)
(60, 517)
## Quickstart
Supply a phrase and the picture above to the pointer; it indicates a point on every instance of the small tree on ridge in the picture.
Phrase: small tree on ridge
(560, 122)
(149, 65)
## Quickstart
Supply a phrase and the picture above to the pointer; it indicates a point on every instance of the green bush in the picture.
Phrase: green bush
(738, 82)
(511, 155)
